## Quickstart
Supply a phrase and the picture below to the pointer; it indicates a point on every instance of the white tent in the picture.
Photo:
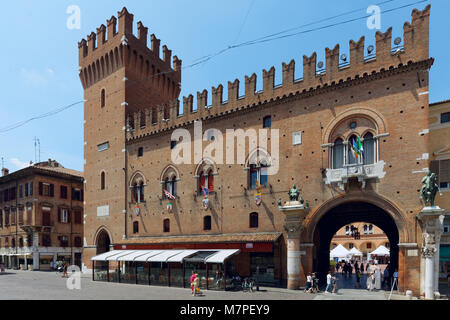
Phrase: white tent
(339, 252)
(380, 251)
(355, 252)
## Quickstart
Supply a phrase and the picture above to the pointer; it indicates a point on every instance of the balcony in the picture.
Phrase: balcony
(360, 171)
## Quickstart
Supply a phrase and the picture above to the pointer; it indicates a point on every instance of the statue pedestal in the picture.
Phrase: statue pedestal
(295, 213)
(431, 219)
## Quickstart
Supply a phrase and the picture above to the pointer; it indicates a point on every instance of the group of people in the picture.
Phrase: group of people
(312, 283)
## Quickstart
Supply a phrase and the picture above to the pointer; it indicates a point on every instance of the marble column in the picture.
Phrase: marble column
(431, 219)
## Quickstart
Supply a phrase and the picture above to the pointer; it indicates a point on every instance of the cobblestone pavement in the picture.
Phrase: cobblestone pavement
(29, 285)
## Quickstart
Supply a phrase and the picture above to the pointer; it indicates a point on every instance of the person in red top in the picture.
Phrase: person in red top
(193, 282)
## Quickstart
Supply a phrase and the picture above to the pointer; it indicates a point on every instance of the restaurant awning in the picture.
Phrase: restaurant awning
(203, 256)
(222, 255)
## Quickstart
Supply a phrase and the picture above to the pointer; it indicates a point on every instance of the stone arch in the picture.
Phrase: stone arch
(206, 165)
(137, 177)
(102, 239)
(387, 205)
(254, 158)
(169, 171)
(372, 115)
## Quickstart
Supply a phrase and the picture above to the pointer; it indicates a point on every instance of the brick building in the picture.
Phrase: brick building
(41, 209)
(132, 112)
(440, 164)
(370, 238)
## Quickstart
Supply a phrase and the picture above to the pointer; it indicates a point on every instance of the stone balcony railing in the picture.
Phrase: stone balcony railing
(360, 171)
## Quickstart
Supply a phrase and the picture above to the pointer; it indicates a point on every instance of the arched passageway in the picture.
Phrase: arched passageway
(348, 213)
(103, 242)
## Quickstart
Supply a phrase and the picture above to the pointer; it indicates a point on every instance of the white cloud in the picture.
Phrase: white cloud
(20, 164)
(36, 78)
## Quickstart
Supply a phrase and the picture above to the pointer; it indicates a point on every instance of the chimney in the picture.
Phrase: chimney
(5, 172)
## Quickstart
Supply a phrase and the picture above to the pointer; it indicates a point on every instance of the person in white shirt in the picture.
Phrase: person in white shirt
(328, 282)
(308, 283)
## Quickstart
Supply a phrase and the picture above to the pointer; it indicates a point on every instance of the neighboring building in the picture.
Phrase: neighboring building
(440, 164)
(41, 216)
(132, 111)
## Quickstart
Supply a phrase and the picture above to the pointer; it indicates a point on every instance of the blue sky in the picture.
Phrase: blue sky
(39, 56)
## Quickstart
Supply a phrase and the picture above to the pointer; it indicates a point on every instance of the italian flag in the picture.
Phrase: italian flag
(357, 147)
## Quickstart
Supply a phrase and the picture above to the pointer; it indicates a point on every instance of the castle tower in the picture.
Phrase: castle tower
(121, 75)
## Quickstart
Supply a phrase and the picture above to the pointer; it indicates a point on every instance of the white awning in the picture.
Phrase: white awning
(180, 257)
(132, 256)
(104, 256)
(121, 254)
(163, 256)
(216, 256)
(222, 255)
(148, 254)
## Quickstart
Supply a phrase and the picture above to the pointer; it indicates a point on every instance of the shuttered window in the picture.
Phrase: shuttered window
(442, 170)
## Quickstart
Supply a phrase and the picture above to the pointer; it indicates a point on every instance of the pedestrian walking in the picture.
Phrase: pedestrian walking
(66, 266)
(308, 288)
(196, 285)
(329, 284)
(192, 279)
(334, 283)
(315, 281)
(386, 278)
(370, 281)
(358, 279)
(377, 275)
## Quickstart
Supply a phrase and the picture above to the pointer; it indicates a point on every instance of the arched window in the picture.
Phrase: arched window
(103, 98)
(369, 149)
(206, 180)
(254, 220)
(370, 229)
(365, 229)
(338, 154)
(347, 230)
(169, 181)
(258, 173)
(135, 227)
(211, 181)
(351, 156)
(138, 191)
(140, 152)
(267, 122)
(170, 185)
(102, 181)
(166, 225)
(350, 245)
(21, 242)
(207, 223)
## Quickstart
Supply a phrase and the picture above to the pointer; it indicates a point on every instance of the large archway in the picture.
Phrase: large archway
(347, 213)
(103, 242)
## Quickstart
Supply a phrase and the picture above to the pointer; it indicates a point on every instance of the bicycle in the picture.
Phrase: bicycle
(248, 285)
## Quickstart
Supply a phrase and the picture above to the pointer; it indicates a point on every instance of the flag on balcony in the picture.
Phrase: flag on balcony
(357, 147)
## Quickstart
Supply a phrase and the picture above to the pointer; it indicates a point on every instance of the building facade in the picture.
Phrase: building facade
(41, 216)
(135, 123)
(370, 238)
(440, 164)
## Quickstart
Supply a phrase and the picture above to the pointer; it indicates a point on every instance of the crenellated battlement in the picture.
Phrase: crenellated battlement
(115, 46)
(415, 49)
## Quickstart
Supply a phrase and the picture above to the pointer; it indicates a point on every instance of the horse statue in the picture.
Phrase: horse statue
(429, 189)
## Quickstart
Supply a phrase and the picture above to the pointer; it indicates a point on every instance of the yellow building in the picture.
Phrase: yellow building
(371, 237)
(440, 164)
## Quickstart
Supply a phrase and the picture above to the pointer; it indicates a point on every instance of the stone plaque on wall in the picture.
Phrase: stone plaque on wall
(103, 211)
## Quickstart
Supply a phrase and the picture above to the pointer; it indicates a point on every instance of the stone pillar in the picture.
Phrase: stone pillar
(431, 219)
(35, 251)
(293, 263)
(295, 213)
